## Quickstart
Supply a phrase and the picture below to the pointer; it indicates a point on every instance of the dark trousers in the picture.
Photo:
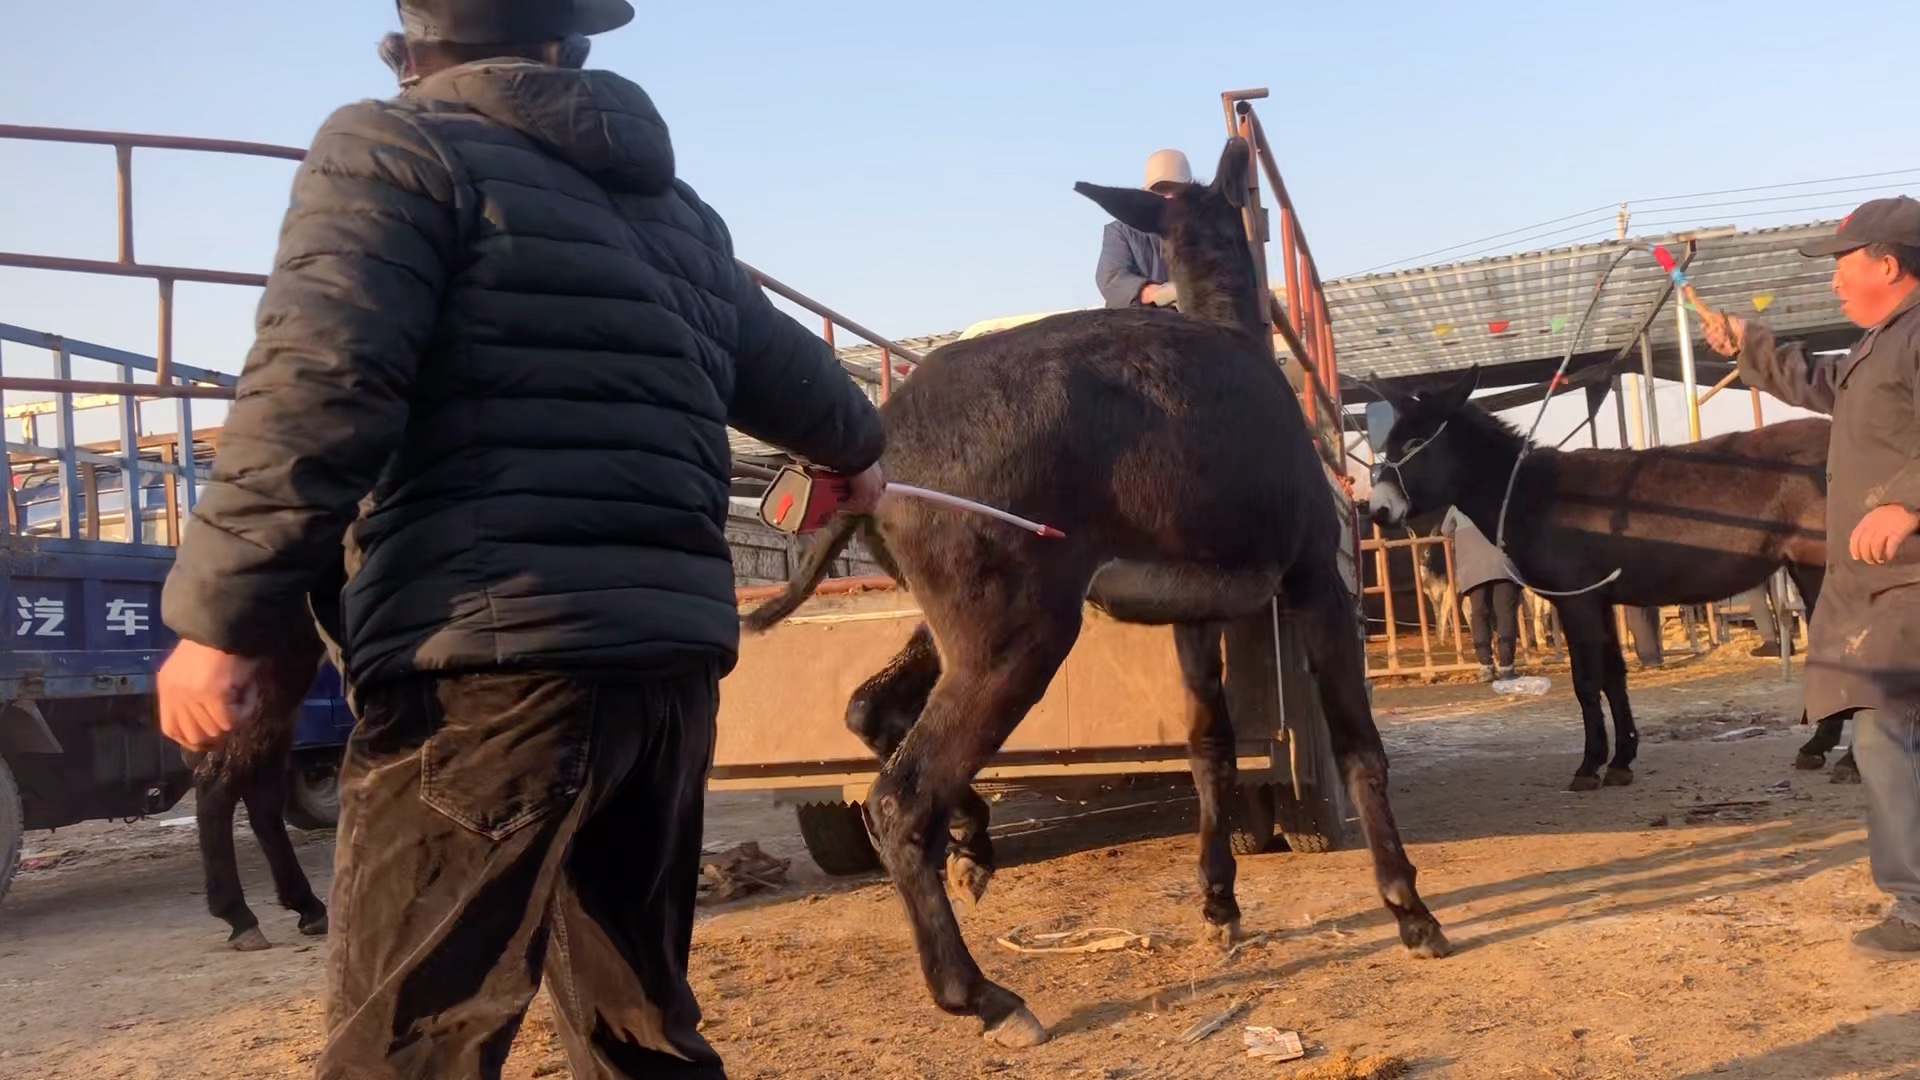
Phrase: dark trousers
(495, 828)
(1495, 605)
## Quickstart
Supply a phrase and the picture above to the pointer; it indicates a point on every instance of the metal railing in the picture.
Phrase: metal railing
(1443, 644)
(177, 456)
(1303, 323)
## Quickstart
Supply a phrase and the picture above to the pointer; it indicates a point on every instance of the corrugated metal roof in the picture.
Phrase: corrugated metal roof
(1517, 308)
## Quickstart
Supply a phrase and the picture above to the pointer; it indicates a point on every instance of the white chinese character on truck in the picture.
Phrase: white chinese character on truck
(127, 617)
(41, 617)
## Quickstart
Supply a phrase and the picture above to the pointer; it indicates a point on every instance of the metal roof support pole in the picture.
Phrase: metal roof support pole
(1624, 384)
(1689, 378)
(1649, 406)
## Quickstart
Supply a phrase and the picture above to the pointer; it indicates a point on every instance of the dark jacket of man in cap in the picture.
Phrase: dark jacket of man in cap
(1864, 647)
(505, 342)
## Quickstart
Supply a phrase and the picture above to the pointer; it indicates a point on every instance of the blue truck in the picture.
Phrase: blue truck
(80, 583)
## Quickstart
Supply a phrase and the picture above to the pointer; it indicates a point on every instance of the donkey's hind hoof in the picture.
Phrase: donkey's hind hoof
(1845, 771)
(1019, 1031)
(1426, 941)
(1618, 777)
(1226, 934)
(967, 877)
(1806, 762)
(314, 925)
(248, 940)
(1584, 783)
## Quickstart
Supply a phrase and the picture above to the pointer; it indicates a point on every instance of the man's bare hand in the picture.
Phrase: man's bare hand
(865, 490)
(204, 693)
(1881, 533)
(1160, 294)
(1725, 333)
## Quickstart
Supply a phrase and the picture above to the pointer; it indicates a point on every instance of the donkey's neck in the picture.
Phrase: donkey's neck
(1219, 287)
(1489, 452)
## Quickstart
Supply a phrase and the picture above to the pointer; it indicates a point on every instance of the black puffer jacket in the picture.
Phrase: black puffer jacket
(495, 309)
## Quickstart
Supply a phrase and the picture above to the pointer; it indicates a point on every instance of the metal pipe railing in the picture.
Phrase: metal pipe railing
(1303, 323)
(126, 265)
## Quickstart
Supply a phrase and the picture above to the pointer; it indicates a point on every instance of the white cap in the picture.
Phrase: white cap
(1168, 166)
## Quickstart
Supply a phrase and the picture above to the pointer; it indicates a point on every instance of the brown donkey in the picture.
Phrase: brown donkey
(1171, 450)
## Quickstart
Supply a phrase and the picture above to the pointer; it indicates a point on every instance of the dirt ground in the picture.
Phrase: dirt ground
(1694, 924)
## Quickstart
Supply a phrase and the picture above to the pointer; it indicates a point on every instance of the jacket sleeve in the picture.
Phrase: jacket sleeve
(789, 388)
(1785, 371)
(322, 400)
(1119, 279)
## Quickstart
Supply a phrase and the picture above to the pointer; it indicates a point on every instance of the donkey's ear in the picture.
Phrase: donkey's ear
(1230, 178)
(1130, 206)
(1454, 398)
(1401, 402)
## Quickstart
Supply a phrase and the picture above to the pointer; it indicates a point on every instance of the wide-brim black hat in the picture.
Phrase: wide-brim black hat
(509, 22)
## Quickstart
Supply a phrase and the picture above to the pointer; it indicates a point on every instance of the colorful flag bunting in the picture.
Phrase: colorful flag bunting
(1763, 301)
(1557, 323)
(1498, 326)
(1443, 329)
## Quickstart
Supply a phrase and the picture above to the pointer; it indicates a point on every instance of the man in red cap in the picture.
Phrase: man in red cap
(504, 343)
(1864, 651)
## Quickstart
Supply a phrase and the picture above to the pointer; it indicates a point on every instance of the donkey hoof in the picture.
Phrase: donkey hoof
(1425, 940)
(1618, 777)
(1019, 1031)
(1846, 772)
(1806, 762)
(314, 925)
(1584, 783)
(967, 877)
(1225, 934)
(248, 940)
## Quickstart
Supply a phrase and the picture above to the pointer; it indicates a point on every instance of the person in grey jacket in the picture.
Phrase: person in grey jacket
(504, 342)
(1133, 270)
(1486, 579)
(1864, 644)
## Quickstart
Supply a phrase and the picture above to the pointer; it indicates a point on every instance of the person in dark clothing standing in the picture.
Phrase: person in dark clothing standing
(1865, 636)
(1133, 270)
(504, 343)
(1486, 580)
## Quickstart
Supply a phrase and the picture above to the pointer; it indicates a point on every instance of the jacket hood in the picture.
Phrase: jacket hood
(596, 121)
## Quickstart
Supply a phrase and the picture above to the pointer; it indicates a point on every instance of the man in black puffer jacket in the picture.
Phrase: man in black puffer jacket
(504, 343)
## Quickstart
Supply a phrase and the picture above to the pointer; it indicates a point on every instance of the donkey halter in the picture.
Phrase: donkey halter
(1380, 468)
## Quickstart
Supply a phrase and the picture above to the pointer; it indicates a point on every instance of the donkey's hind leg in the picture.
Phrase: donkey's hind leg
(1210, 752)
(266, 799)
(881, 713)
(215, 794)
(1339, 667)
(1001, 651)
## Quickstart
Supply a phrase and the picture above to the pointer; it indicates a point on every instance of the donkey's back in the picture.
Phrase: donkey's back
(1148, 433)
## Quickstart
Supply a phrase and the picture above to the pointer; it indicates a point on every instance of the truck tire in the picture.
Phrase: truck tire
(313, 791)
(837, 838)
(1306, 822)
(1250, 819)
(12, 828)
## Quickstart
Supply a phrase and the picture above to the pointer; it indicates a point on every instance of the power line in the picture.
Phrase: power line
(1484, 239)
(1773, 187)
(1482, 244)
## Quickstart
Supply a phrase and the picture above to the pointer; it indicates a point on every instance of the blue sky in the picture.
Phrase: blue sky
(912, 165)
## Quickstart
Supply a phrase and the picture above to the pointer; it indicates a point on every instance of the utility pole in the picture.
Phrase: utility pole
(1620, 223)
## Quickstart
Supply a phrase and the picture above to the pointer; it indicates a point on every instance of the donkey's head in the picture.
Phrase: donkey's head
(1426, 461)
(1201, 232)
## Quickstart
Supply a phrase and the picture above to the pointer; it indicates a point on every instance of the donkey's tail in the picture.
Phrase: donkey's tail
(813, 568)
